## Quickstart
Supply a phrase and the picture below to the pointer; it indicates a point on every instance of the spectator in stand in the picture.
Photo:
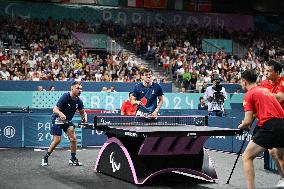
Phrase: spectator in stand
(183, 90)
(186, 78)
(4, 73)
(192, 83)
(127, 108)
(40, 88)
(202, 104)
(232, 61)
(238, 90)
(112, 89)
(52, 88)
(104, 89)
(199, 82)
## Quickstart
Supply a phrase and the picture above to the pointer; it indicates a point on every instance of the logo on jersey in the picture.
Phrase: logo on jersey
(76, 106)
(69, 105)
(245, 103)
(153, 92)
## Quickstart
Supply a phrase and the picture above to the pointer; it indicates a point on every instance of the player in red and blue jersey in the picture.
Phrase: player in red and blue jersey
(62, 116)
(146, 96)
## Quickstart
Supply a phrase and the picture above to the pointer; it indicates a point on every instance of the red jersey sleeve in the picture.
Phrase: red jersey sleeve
(123, 107)
(248, 102)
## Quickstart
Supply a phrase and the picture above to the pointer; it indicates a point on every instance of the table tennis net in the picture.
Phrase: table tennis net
(159, 121)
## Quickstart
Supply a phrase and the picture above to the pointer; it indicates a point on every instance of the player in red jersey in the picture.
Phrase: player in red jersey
(269, 131)
(127, 108)
(275, 83)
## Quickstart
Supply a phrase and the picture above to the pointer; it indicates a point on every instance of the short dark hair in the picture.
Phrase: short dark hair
(130, 94)
(277, 66)
(76, 83)
(146, 70)
(249, 75)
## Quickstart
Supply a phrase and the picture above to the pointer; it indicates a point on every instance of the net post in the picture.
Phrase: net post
(95, 121)
(206, 120)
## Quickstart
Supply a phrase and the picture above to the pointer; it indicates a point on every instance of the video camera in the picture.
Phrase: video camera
(218, 95)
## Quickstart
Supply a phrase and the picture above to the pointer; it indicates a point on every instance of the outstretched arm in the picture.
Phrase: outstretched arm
(84, 116)
(57, 111)
(248, 119)
(161, 100)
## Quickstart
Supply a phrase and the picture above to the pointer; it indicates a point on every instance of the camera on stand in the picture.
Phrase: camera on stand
(218, 96)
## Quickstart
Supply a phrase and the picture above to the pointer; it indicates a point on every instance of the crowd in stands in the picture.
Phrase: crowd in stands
(178, 51)
(41, 49)
(44, 50)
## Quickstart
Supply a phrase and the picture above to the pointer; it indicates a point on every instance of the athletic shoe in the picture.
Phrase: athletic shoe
(75, 162)
(280, 183)
(44, 162)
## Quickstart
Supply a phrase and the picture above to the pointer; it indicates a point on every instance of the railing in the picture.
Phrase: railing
(209, 47)
(112, 46)
(239, 49)
(78, 41)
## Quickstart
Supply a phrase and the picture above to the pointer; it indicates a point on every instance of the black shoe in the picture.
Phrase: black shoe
(75, 162)
(44, 161)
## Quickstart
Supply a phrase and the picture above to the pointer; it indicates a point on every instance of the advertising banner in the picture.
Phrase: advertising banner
(97, 14)
(11, 131)
(93, 138)
(92, 41)
(223, 143)
(37, 132)
(101, 100)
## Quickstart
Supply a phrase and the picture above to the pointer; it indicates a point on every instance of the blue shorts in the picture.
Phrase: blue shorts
(56, 129)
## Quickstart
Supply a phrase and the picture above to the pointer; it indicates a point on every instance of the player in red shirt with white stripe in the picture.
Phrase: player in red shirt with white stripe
(269, 131)
(275, 84)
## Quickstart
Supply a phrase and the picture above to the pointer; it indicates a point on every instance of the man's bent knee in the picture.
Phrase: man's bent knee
(73, 139)
(247, 156)
(273, 153)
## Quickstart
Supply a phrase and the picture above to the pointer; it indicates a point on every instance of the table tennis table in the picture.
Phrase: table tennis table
(137, 151)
